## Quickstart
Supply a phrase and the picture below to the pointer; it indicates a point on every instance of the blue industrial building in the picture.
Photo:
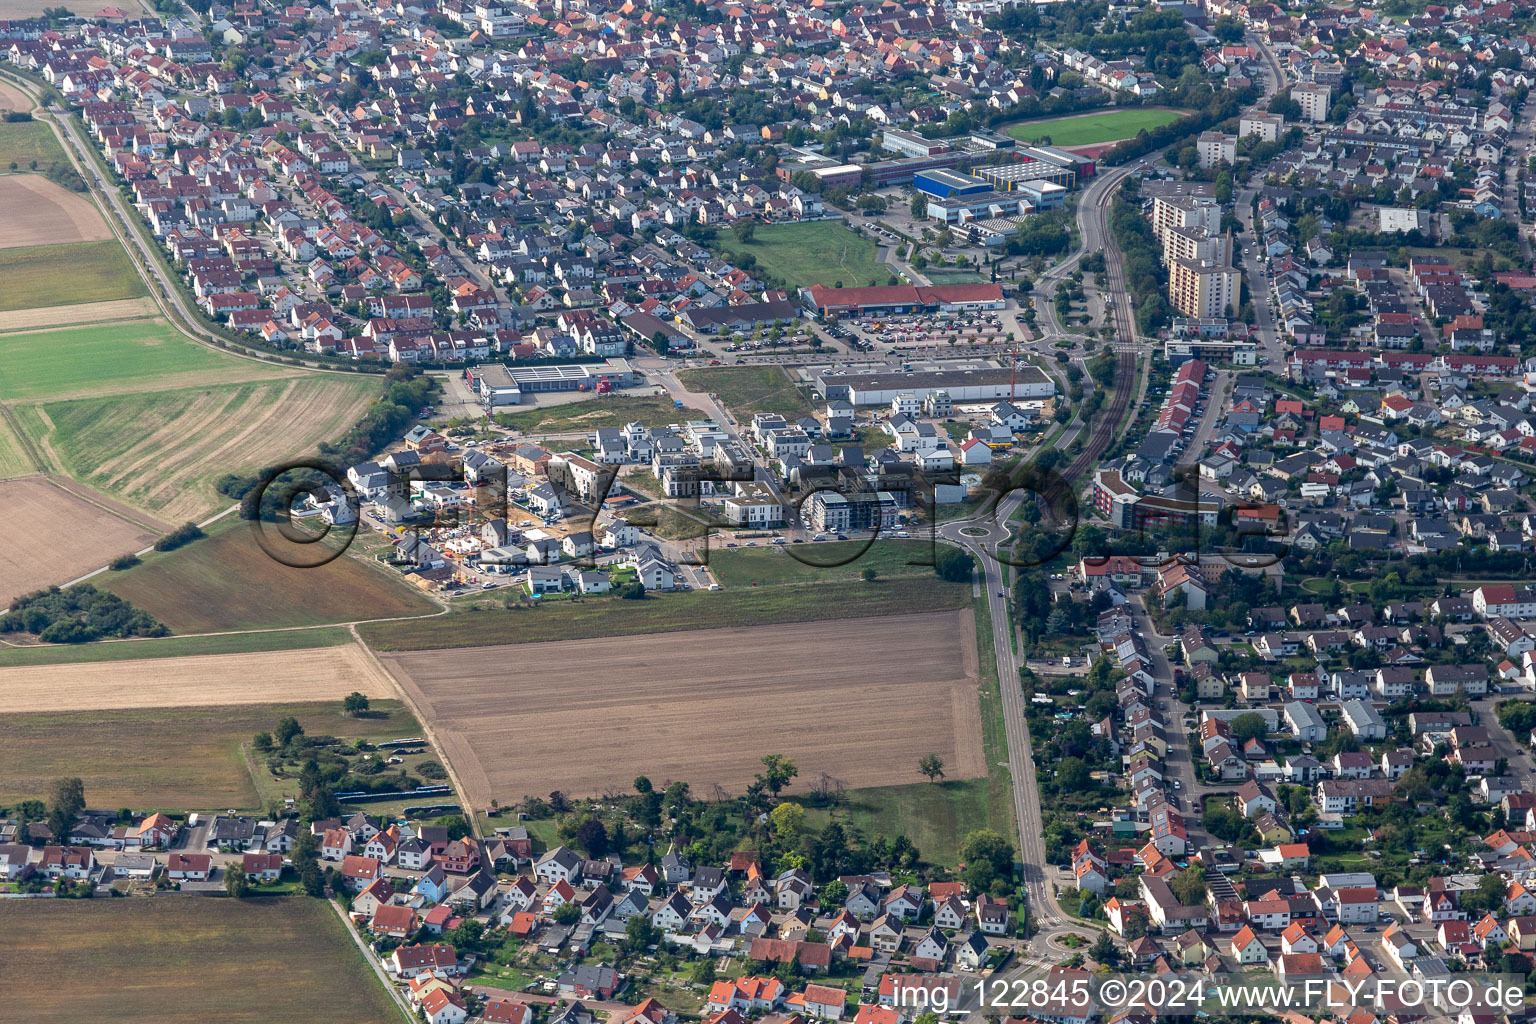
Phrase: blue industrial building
(940, 183)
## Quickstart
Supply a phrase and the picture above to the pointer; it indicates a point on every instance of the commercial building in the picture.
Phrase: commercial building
(904, 298)
(1203, 288)
(1005, 177)
(911, 144)
(499, 385)
(941, 183)
(987, 205)
(711, 320)
(839, 175)
(982, 384)
(1313, 100)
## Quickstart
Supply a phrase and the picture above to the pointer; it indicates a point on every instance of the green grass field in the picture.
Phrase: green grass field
(773, 565)
(39, 364)
(836, 598)
(187, 960)
(748, 390)
(176, 646)
(66, 274)
(174, 759)
(600, 412)
(23, 142)
(13, 457)
(816, 252)
(953, 276)
(226, 581)
(1091, 129)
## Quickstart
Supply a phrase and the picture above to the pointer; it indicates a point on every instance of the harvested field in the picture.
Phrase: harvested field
(163, 450)
(186, 960)
(196, 680)
(582, 715)
(175, 759)
(57, 535)
(12, 98)
(38, 212)
(84, 313)
(228, 582)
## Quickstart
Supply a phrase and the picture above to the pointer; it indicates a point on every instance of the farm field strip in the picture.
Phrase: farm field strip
(171, 758)
(101, 313)
(112, 359)
(41, 212)
(56, 535)
(162, 450)
(227, 582)
(195, 680)
(512, 720)
(257, 961)
(66, 274)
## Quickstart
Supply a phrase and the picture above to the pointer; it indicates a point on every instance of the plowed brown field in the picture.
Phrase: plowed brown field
(860, 700)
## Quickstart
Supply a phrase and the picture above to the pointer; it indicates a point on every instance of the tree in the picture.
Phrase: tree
(788, 818)
(868, 574)
(312, 880)
(954, 565)
(567, 913)
(1104, 949)
(1189, 886)
(703, 972)
(1072, 775)
(262, 741)
(745, 231)
(639, 934)
(778, 771)
(354, 703)
(833, 894)
(66, 799)
(931, 765)
(1249, 727)
(643, 785)
(286, 730)
(592, 836)
(235, 882)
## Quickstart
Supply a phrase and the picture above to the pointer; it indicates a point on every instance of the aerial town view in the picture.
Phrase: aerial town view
(697, 512)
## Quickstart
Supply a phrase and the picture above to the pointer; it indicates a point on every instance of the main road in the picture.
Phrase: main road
(984, 534)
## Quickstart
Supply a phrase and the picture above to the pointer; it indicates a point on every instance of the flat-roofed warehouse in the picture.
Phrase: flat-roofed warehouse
(499, 385)
(904, 298)
(983, 384)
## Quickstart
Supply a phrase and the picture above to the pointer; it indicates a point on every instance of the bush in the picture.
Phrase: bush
(954, 565)
(183, 535)
(122, 562)
(77, 615)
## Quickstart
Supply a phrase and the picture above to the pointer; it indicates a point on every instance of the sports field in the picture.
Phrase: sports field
(65, 274)
(56, 534)
(226, 581)
(816, 252)
(110, 359)
(1088, 129)
(169, 758)
(40, 212)
(25, 143)
(748, 390)
(187, 960)
(162, 450)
